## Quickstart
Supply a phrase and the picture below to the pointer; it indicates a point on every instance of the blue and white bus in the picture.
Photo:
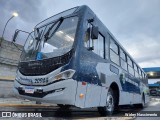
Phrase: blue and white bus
(72, 59)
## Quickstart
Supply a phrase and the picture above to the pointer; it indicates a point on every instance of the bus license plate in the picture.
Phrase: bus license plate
(29, 90)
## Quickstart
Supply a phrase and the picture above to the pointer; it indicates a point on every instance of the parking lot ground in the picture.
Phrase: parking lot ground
(14, 104)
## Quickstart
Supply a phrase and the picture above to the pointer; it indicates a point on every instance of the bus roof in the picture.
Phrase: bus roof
(56, 16)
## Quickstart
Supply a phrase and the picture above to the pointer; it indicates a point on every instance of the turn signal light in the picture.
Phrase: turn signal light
(81, 95)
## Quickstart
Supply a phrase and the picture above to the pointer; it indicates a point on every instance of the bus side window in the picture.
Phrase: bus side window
(107, 46)
(87, 40)
(144, 79)
(140, 76)
(99, 46)
(135, 70)
(123, 59)
(114, 56)
(130, 66)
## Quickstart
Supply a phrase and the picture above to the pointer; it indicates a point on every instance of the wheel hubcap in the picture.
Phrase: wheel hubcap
(110, 103)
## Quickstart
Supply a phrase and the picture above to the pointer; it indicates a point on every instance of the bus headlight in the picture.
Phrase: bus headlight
(65, 75)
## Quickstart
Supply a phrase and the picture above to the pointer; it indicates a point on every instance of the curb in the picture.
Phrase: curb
(27, 105)
(7, 80)
(11, 102)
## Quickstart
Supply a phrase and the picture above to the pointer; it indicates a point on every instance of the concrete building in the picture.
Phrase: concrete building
(9, 57)
(153, 74)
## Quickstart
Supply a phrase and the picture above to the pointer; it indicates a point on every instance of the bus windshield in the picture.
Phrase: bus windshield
(53, 39)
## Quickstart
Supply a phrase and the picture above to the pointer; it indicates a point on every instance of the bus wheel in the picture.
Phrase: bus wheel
(110, 104)
(142, 103)
(63, 106)
(37, 102)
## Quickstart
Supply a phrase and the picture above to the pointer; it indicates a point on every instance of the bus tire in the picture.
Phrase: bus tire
(38, 102)
(143, 101)
(110, 104)
(63, 106)
(142, 104)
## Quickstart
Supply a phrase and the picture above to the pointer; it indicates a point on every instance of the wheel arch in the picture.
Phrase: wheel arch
(116, 91)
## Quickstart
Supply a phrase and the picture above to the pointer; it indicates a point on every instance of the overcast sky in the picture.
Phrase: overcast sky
(135, 23)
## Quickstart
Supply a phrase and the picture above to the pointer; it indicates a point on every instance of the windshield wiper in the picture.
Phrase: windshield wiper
(46, 36)
(38, 38)
(39, 34)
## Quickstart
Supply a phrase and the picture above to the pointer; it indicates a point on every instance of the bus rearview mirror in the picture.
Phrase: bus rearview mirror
(94, 32)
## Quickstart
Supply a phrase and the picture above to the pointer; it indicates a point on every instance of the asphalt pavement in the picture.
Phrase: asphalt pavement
(151, 110)
(22, 105)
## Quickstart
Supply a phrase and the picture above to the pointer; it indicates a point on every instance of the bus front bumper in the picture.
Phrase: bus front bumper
(61, 92)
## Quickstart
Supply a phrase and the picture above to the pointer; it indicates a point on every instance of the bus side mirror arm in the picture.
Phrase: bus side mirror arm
(15, 36)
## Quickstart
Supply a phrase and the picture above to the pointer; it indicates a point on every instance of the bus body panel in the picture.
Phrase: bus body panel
(103, 96)
(93, 95)
(63, 92)
(81, 89)
(110, 77)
